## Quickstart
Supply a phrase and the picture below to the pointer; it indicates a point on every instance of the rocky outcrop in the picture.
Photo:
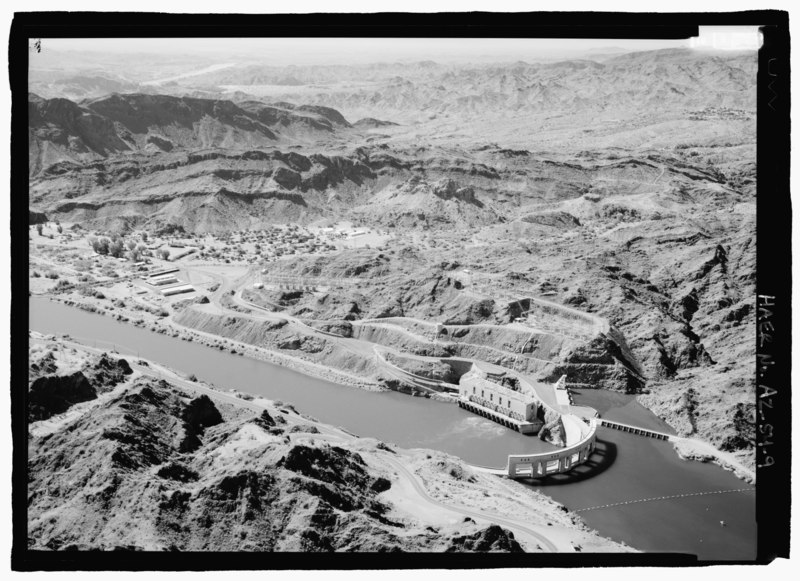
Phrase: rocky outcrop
(553, 430)
(743, 428)
(36, 217)
(108, 372)
(199, 414)
(42, 364)
(336, 467)
(55, 394)
(343, 328)
(328, 113)
(120, 476)
(59, 382)
(559, 220)
(372, 123)
(306, 344)
(491, 539)
(437, 370)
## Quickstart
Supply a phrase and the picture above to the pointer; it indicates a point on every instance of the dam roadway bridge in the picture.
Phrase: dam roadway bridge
(633, 430)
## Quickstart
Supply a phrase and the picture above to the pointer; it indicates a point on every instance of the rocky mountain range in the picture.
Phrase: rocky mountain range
(664, 79)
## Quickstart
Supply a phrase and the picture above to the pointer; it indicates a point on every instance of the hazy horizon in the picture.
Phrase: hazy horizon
(288, 51)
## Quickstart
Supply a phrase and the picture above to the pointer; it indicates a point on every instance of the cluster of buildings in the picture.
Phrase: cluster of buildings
(168, 276)
(289, 241)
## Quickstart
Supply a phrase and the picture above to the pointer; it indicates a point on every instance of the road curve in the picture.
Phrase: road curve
(471, 513)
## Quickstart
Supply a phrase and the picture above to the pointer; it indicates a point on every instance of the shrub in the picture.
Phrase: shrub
(116, 248)
(621, 212)
(101, 245)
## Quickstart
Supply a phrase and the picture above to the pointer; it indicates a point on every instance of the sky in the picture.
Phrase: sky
(306, 51)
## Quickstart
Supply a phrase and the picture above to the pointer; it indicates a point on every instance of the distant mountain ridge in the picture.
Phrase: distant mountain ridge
(601, 81)
(214, 164)
(669, 78)
(60, 129)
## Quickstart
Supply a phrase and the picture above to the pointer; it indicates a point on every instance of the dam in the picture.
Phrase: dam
(509, 399)
(545, 464)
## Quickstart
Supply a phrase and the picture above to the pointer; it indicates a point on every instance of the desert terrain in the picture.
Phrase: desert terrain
(593, 218)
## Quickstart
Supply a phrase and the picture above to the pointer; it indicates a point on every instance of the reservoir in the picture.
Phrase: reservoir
(671, 505)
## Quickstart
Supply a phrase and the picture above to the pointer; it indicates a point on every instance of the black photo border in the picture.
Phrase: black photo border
(773, 257)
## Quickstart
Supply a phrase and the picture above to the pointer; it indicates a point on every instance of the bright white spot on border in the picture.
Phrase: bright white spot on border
(728, 38)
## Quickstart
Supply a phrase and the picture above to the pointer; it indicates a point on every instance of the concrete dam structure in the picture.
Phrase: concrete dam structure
(545, 464)
(540, 465)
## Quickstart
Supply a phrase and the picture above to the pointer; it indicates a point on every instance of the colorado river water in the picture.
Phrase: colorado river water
(410, 422)
(625, 468)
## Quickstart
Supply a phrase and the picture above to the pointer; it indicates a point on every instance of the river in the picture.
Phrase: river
(410, 422)
(625, 468)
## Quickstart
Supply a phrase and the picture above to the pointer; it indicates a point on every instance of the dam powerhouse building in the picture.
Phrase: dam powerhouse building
(500, 397)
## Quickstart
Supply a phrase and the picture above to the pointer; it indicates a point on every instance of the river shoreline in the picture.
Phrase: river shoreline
(411, 423)
(692, 450)
(689, 450)
(172, 329)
